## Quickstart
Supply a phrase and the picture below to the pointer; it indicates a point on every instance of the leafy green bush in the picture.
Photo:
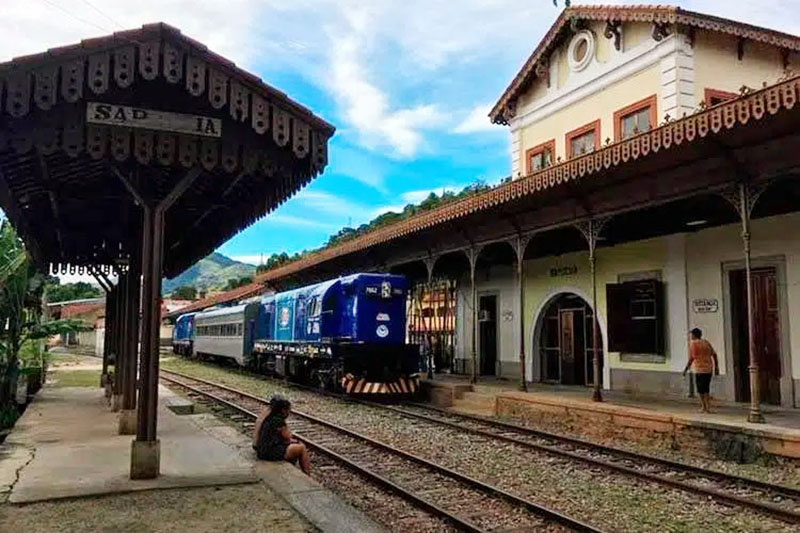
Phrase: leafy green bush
(8, 416)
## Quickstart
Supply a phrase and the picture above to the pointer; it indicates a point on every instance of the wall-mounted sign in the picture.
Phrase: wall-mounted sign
(136, 117)
(508, 314)
(569, 270)
(705, 305)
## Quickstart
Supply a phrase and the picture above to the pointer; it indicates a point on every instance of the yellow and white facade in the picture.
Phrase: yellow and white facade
(597, 78)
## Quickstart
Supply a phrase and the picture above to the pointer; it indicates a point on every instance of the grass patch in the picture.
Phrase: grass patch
(64, 358)
(75, 378)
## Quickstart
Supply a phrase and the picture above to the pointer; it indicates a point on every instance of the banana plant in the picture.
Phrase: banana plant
(21, 290)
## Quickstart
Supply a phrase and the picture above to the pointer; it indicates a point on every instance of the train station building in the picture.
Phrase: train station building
(652, 168)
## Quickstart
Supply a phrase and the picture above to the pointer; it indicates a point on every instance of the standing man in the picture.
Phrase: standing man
(704, 360)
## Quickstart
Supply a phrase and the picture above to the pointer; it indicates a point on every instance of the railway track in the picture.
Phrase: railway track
(464, 502)
(776, 501)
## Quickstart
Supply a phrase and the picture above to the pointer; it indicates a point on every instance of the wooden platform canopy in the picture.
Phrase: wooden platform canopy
(135, 155)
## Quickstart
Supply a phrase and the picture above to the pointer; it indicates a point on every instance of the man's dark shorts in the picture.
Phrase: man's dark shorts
(703, 382)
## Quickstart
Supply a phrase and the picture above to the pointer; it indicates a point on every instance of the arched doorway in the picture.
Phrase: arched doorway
(564, 343)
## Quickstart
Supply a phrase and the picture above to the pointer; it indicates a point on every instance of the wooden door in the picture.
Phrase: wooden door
(766, 334)
(568, 347)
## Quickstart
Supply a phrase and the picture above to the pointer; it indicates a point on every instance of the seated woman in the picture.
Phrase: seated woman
(273, 441)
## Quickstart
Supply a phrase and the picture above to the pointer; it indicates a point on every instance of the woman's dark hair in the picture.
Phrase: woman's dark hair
(697, 333)
(278, 403)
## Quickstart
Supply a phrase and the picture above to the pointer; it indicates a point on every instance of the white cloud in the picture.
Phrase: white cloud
(477, 121)
(254, 259)
(292, 221)
(31, 26)
(366, 107)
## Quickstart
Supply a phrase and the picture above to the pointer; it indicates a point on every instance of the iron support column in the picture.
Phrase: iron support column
(743, 198)
(597, 395)
(591, 232)
(473, 260)
(519, 247)
(745, 207)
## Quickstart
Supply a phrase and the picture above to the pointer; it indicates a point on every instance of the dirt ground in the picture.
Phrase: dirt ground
(210, 509)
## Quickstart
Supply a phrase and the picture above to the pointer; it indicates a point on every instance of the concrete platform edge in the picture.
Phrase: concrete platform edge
(320, 506)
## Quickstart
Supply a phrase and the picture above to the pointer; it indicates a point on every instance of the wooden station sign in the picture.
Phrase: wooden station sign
(705, 305)
(136, 117)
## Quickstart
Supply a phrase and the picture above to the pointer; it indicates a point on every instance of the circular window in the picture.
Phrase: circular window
(581, 50)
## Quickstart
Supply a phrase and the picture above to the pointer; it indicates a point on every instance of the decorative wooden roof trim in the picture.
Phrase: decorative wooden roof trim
(503, 110)
(89, 69)
(725, 116)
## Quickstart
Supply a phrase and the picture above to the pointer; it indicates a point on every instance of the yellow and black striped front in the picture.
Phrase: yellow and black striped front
(406, 385)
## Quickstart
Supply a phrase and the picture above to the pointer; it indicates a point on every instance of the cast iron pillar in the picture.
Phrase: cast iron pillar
(591, 232)
(519, 247)
(743, 198)
(430, 262)
(472, 255)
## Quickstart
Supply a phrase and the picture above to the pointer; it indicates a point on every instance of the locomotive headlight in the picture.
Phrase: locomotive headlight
(386, 289)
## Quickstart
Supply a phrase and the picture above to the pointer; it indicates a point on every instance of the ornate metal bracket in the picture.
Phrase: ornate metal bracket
(519, 244)
(751, 193)
(614, 30)
(430, 262)
(591, 230)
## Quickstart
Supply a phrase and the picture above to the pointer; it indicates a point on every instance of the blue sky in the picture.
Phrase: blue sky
(407, 83)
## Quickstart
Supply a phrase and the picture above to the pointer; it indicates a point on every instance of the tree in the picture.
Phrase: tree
(21, 292)
(432, 201)
(185, 292)
(234, 283)
(57, 292)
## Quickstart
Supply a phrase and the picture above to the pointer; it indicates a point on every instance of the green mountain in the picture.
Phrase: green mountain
(212, 272)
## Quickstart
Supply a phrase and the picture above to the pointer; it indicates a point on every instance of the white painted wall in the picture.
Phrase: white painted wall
(692, 265)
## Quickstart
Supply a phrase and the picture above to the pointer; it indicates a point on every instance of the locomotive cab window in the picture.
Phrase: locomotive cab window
(316, 306)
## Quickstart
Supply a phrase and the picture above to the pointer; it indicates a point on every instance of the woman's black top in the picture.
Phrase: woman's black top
(270, 445)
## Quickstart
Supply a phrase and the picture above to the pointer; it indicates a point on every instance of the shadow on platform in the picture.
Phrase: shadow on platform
(66, 445)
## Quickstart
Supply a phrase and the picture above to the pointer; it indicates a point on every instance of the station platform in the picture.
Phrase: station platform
(66, 446)
(676, 421)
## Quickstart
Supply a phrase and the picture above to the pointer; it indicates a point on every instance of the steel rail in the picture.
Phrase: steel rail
(485, 487)
(462, 523)
(732, 499)
(751, 483)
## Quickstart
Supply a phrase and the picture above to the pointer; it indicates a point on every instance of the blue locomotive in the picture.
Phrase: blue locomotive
(347, 333)
(183, 334)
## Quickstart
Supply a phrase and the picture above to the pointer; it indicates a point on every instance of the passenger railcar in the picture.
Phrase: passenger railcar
(348, 332)
(183, 334)
(227, 332)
